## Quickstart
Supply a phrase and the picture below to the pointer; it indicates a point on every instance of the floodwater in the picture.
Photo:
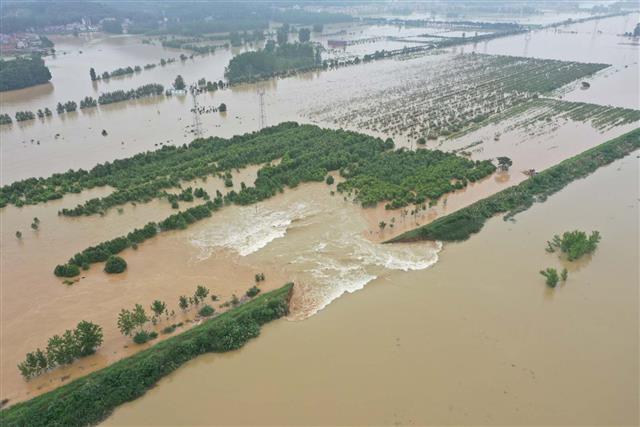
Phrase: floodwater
(477, 339)
(74, 140)
(327, 245)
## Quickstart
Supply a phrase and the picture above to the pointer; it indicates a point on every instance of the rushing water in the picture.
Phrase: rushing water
(325, 244)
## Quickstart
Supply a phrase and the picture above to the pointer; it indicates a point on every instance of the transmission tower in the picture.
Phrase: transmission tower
(263, 118)
(197, 127)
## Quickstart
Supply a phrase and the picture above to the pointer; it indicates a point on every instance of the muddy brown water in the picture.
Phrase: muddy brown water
(325, 244)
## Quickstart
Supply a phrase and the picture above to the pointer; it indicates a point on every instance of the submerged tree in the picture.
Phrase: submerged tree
(115, 264)
(158, 307)
(304, 35)
(551, 274)
(178, 83)
(126, 324)
(574, 244)
(88, 338)
(504, 163)
(183, 303)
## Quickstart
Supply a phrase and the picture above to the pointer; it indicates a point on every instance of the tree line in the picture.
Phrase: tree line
(461, 224)
(151, 89)
(63, 349)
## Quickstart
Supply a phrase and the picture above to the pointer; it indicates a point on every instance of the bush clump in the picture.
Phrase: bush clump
(115, 265)
(574, 243)
(141, 337)
(551, 274)
(206, 311)
(66, 270)
(253, 291)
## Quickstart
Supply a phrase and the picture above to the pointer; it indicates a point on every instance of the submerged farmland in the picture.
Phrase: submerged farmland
(463, 92)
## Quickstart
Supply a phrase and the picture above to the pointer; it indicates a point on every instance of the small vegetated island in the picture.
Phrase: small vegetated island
(272, 61)
(20, 73)
(373, 171)
(574, 244)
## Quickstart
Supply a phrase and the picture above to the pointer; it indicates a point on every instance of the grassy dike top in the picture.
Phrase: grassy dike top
(90, 399)
(461, 224)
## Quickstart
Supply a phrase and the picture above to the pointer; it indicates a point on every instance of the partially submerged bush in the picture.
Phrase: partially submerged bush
(66, 270)
(206, 311)
(115, 264)
(551, 274)
(253, 291)
(574, 243)
(141, 337)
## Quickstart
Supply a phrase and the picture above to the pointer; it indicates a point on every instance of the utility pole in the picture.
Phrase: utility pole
(263, 119)
(197, 127)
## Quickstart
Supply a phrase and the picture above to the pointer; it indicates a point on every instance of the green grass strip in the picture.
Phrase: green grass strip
(90, 399)
(460, 225)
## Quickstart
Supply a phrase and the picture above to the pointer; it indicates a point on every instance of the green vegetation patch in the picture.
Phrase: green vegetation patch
(307, 153)
(411, 177)
(23, 72)
(372, 170)
(90, 399)
(272, 61)
(461, 224)
(575, 244)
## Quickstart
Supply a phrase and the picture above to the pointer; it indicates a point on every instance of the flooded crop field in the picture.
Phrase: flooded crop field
(376, 333)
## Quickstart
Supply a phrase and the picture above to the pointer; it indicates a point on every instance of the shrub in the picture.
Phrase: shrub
(115, 264)
(574, 243)
(551, 274)
(206, 311)
(141, 337)
(329, 180)
(66, 270)
(169, 329)
(253, 291)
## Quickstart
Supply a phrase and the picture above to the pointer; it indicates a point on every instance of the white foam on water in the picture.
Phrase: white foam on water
(403, 257)
(250, 230)
(325, 279)
(323, 265)
(346, 264)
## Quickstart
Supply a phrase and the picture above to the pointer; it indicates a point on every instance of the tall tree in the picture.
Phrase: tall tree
(304, 35)
(158, 307)
(178, 84)
(88, 337)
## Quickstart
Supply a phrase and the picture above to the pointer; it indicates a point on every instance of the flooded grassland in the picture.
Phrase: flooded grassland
(322, 242)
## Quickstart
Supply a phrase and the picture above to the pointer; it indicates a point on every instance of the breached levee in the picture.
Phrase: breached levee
(461, 224)
(90, 399)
